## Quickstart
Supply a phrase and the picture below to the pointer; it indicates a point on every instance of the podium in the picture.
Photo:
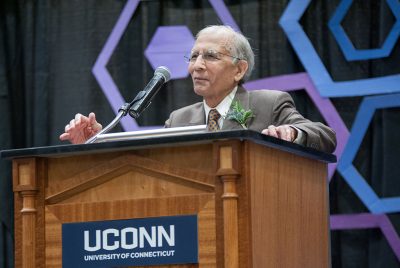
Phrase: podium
(259, 201)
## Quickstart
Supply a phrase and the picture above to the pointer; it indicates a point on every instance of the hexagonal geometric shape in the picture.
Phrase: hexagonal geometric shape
(101, 73)
(298, 81)
(316, 69)
(368, 221)
(349, 51)
(168, 47)
(345, 166)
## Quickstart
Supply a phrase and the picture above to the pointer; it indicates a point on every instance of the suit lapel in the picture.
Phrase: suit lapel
(243, 97)
(198, 117)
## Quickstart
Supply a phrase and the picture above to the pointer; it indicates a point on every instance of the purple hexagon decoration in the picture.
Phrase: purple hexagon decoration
(298, 81)
(368, 221)
(168, 47)
(100, 71)
(223, 13)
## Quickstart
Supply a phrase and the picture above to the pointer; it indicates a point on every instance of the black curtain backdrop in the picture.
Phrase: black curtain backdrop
(48, 48)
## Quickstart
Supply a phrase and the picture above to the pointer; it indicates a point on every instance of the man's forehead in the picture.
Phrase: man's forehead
(206, 42)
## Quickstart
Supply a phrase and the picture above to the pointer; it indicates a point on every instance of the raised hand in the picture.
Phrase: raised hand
(81, 128)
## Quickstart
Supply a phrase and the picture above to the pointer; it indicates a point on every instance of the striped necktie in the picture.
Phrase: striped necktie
(212, 124)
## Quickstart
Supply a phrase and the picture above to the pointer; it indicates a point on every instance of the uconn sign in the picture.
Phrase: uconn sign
(135, 242)
(130, 238)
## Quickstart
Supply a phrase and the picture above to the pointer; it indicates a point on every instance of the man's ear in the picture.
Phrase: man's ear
(242, 67)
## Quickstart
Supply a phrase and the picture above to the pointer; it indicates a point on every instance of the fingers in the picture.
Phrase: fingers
(271, 131)
(81, 121)
(76, 128)
(93, 123)
(284, 132)
(64, 136)
(92, 118)
(72, 124)
(78, 119)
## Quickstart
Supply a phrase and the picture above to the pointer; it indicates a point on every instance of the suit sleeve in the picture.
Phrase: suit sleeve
(317, 135)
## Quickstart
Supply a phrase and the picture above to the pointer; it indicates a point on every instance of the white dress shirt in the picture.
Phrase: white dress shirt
(222, 107)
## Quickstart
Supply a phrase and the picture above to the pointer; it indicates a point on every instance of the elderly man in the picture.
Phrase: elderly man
(220, 61)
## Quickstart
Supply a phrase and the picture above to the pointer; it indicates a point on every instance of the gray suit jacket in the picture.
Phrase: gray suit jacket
(270, 107)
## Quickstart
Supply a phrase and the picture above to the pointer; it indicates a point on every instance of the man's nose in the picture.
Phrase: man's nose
(199, 63)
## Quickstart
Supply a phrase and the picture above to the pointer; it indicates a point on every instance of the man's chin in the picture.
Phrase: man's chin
(201, 91)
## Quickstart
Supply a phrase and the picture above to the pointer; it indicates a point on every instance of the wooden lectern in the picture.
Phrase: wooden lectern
(260, 201)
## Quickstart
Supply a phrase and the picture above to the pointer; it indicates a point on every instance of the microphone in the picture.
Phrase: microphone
(144, 97)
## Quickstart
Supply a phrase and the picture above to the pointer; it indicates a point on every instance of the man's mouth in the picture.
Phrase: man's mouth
(200, 79)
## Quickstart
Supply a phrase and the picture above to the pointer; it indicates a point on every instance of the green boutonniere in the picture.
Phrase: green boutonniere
(239, 114)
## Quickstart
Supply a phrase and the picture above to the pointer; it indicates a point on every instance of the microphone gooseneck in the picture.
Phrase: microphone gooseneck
(141, 101)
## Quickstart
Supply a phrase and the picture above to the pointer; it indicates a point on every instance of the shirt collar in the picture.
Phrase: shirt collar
(222, 107)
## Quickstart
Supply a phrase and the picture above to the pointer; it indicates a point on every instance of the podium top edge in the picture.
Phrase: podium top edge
(75, 149)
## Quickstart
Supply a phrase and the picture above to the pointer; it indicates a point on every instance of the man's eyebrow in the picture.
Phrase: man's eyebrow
(207, 49)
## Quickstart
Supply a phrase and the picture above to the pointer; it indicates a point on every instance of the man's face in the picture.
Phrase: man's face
(213, 71)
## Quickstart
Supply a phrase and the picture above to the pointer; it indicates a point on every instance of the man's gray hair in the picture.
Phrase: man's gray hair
(237, 44)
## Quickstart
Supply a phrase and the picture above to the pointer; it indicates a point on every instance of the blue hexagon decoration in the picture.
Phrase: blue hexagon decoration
(316, 69)
(349, 51)
(345, 165)
(168, 48)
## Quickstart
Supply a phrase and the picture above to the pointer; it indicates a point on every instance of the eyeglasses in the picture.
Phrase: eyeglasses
(208, 56)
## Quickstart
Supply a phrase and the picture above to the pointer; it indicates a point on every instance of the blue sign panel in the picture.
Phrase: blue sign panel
(135, 242)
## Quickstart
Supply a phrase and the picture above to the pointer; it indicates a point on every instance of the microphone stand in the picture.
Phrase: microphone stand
(160, 77)
(122, 111)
